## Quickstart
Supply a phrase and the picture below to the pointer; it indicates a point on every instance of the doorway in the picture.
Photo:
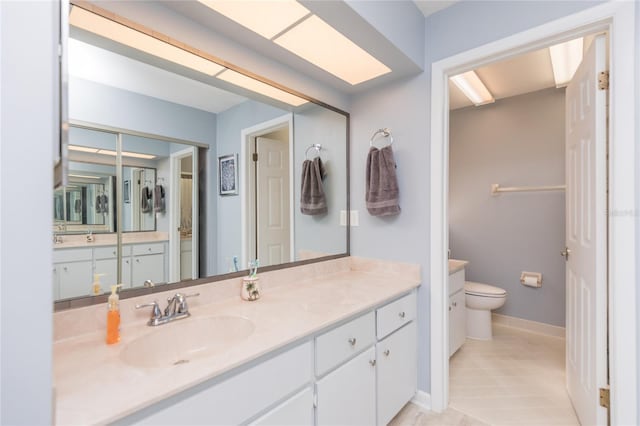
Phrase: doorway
(617, 19)
(266, 166)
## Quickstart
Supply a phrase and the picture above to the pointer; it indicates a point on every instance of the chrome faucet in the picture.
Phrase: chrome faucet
(57, 238)
(176, 309)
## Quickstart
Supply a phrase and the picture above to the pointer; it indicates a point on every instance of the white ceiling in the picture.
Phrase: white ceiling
(105, 67)
(429, 7)
(525, 73)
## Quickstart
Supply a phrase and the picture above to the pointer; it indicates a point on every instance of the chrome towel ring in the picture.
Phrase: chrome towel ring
(315, 146)
(386, 132)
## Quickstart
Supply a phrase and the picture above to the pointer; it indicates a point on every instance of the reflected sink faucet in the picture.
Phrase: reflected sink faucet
(176, 309)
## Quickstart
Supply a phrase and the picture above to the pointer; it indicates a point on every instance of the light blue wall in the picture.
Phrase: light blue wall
(230, 123)
(28, 129)
(517, 141)
(405, 107)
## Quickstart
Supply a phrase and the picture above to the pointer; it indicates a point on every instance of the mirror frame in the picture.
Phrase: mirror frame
(142, 291)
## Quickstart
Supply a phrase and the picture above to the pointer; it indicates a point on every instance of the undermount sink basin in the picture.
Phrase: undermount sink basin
(185, 340)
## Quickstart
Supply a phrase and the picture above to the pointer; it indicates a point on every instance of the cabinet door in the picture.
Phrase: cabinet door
(397, 361)
(149, 267)
(347, 396)
(457, 322)
(295, 411)
(74, 278)
(108, 268)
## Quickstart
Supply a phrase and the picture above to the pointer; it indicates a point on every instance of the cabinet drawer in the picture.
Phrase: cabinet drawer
(110, 252)
(338, 345)
(71, 255)
(394, 315)
(154, 248)
(456, 282)
(236, 399)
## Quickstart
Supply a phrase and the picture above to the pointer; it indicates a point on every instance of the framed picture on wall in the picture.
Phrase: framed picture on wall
(228, 174)
(126, 191)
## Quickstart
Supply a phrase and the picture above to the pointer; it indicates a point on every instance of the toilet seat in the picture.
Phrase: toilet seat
(483, 290)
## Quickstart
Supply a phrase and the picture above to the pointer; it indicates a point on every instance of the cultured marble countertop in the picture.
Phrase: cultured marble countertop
(110, 239)
(456, 265)
(93, 385)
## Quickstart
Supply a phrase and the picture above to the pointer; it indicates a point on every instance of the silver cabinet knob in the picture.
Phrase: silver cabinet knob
(372, 362)
(449, 307)
(401, 314)
(455, 304)
(386, 352)
(352, 341)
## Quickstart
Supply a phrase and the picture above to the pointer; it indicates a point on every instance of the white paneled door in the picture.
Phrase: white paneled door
(586, 236)
(273, 210)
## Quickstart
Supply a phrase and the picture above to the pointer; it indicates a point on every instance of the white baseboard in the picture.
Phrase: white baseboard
(422, 400)
(533, 326)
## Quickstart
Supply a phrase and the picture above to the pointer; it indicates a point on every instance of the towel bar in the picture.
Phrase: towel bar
(495, 188)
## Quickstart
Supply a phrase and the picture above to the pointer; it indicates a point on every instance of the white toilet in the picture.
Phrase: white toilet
(480, 300)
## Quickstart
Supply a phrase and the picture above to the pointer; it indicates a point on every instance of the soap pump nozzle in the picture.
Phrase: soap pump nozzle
(114, 299)
(96, 288)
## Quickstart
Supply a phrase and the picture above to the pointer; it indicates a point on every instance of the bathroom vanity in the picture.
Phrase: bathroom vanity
(457, 318)
(335, 347)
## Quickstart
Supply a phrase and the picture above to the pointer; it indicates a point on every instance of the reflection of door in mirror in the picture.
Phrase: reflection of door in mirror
(183, 241)
(272, 198)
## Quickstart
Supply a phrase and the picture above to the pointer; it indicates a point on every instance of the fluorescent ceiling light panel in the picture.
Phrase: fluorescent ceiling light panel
(267, 18)
(257, 86)
(565, 58)
(473, 88)
(81, 148)
(322, 45)
(125, 154)
(85, 177)
(107, 28)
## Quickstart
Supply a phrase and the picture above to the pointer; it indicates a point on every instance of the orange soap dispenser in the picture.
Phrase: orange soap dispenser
(113, 316)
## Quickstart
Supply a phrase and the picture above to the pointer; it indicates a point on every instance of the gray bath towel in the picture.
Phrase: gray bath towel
(312, 199)
(382, 185)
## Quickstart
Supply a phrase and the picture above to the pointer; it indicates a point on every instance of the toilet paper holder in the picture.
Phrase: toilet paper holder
(531, 279)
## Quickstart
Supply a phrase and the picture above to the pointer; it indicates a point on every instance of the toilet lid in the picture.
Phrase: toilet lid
(480, 289)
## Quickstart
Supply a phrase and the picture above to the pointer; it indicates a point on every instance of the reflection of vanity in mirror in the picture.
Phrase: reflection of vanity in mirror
(144, 200)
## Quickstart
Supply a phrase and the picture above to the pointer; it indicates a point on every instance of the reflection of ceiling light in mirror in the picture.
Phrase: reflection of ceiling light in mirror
(257, 86)
(85, 176)
(267, 18)
(110, 152)
(81, 148)
(104, 27)
(473, 88)
(565, 58)
(322, 45)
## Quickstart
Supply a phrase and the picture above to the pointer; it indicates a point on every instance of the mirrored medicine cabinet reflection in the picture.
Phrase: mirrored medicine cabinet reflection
(145, 200)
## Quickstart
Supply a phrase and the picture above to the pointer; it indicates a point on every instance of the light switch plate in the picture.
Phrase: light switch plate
(343, 218)
(355, 218)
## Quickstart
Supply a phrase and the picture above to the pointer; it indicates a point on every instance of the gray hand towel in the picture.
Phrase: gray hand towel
(158, 199)
(382, 184)
(146, 204)
(312, 199)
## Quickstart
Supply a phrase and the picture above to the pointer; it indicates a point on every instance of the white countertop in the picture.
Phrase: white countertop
(456, 265)
(93, 385)
(110, 239)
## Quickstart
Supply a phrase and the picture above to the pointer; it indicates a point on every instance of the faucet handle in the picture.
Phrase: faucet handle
(156, 313)
(181, 298)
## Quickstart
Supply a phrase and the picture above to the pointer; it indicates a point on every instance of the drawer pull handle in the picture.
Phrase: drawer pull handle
(449, 307)
(455, 304)
(352, 341)
(149, 249)
(372, 362)
(402, 314)
(387, 352)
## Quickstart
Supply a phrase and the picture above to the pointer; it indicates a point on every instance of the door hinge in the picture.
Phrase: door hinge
(603, 80)
(315, 400)
(604, 397)
(255, 156)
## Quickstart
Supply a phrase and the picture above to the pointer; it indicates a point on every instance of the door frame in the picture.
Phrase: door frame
(174, 222)
(618, 19)
(246, 138)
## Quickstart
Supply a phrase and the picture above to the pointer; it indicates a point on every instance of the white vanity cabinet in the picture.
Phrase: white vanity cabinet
(147, 263)
(295, 411)
(457, 311)
(72, 273)
(347, 396)
(397, 356)
(106, 264)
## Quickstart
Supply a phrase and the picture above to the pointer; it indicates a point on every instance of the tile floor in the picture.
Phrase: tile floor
(515, 379)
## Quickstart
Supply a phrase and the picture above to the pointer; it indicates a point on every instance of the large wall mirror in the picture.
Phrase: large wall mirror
(179, 172)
